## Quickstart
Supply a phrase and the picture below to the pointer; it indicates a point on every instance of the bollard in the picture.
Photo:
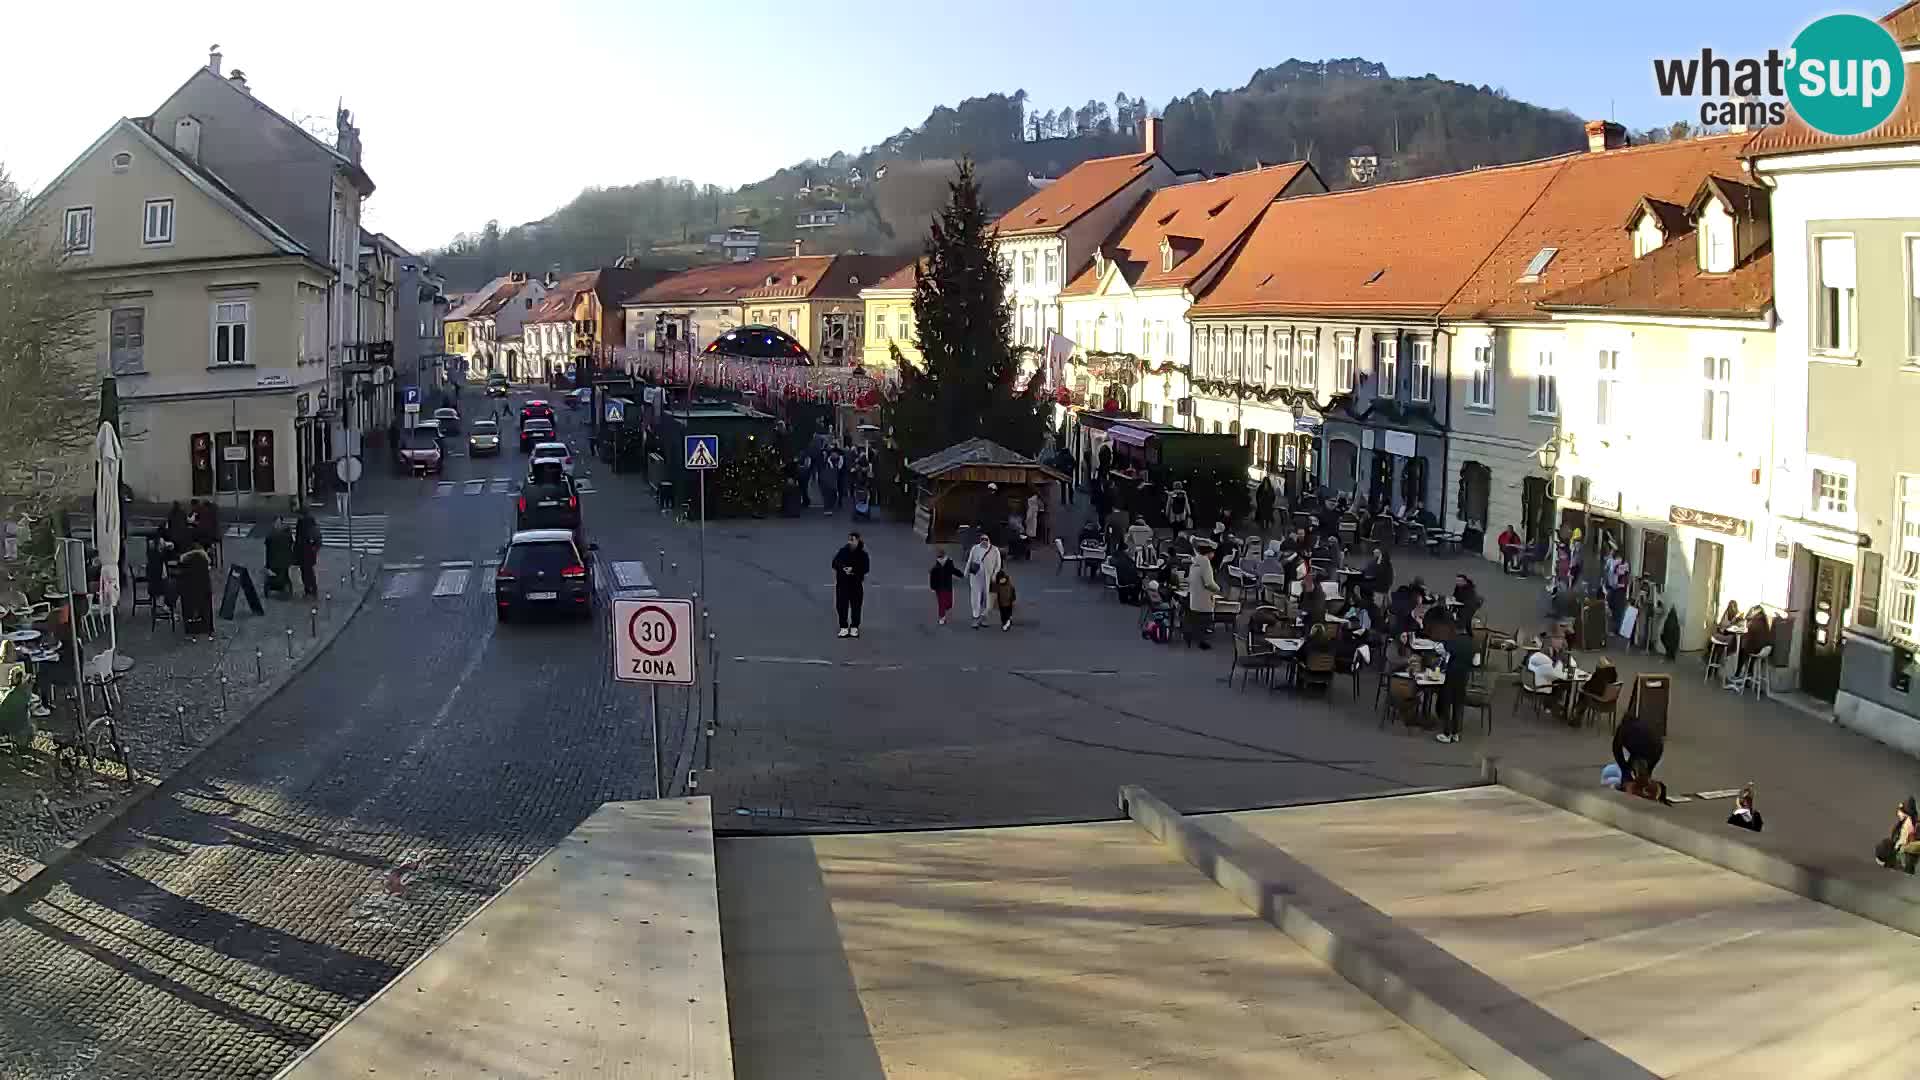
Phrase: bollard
(180, 719)
(289, 642)
(313, 622)
(675, 567)
(223, 694)
(326, 600)
(693, 781)
(259, 667)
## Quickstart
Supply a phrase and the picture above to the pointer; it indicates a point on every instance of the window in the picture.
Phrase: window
(1903, 601)
(1026, 268)
(1053, 267)
(1832, 492)
(1283, 357)
(1606, 387)
(1026, 332)
(1386, 365)
(159, 227)
(80, 230)
(1306, 360)
(1716, 404)
(1420, 358)
(1913, 301)
(1343, 363)
(906, 326)
(793, 320)
(1166, 333)
(1538, 264)
(127, 340)
(1546, 386)
(1833, 317)
(1237, 367)
(1257, 357)
(230, 332)
(759, 316)
(1480, 395)
(1719, 241)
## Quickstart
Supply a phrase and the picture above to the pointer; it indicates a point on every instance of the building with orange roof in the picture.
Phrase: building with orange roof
(1845, 458)
(1132, 296)
(813, 298)
(888, 307)
(1047, 238)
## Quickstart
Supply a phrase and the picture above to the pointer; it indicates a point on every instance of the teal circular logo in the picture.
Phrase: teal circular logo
(1847, 76)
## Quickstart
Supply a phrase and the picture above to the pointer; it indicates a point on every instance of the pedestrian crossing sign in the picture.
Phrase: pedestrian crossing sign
(703, 451)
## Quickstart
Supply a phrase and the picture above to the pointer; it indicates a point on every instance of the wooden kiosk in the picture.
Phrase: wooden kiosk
(979, 482)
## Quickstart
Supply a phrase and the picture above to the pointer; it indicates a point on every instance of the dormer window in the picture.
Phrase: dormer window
(1716, 238)
(1166, 255)
(771, 279)
(1647, 236)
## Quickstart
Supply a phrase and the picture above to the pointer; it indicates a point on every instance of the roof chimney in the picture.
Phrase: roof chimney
(239, 81)
(1150, 134)
(213, 59)
(796, 248)
(1605, 135)
(186, 138)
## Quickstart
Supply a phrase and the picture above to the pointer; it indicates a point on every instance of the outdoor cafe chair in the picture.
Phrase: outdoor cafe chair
(1317, 672)
(1403, 701)
(1059, 549)
(1606, 703)
(1251, 655)
(1479, 697)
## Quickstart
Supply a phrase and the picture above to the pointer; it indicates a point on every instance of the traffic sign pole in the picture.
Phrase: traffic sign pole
(654, 691)
(703, 530)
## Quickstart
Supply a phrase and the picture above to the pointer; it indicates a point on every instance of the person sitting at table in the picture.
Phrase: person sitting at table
(1090, 532)
(1313, 598)
(1544, 664)
(1400, 609)
(1126, 576)
(1400, 653)
(1900, 848)
(1510, 549)
(1468, 597)
(1360, 618)
(1730, 618)
(1759, 635)
(1318, 642)
(159, 576)
(1139, 534)
(16, 716)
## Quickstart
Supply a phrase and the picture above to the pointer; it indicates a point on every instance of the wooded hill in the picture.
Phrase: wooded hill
(1326, 111)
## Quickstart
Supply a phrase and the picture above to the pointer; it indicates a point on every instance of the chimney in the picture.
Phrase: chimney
(1605, 135)
(552, 278)
(186, 137)
(239, 81)
(1149, 134)
(213, 59)
(796, 248)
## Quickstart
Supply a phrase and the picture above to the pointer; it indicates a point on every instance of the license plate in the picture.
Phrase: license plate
(548, 502)
(543, 596)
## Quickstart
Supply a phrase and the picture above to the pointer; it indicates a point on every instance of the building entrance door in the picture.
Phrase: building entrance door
(1536, 505)
(1820, 652)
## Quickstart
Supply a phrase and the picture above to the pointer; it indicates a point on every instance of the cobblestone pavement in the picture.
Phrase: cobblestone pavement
(171, 701)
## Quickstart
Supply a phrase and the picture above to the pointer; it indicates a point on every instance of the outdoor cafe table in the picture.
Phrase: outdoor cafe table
(1287, 649)
(1421, 644)
(1426, 684)
(21, 637)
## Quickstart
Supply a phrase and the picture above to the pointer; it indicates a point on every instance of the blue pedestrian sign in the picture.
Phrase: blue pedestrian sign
(412, 395)
(616, 412)
(703, 451)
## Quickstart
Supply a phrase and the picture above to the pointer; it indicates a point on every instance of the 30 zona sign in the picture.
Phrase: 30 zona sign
(653, 641)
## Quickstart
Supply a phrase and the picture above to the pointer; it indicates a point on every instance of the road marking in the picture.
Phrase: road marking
(475, 487)
(452, 582)
(502, 485)
(392, 566)
(399, 585)
(456, 564)
(443, 489)
(884, 666)
(786, 660)
(632, 575)
(486, 582)
(585, 487)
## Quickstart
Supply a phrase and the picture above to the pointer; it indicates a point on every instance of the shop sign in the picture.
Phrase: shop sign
(1400, 443)
(1604, 498)
(302, 404)
(1701, 519)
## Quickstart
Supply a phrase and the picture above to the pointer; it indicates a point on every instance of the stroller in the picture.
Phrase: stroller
(862, 502)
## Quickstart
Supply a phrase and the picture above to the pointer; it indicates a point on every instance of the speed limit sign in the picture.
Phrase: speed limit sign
(653, 641)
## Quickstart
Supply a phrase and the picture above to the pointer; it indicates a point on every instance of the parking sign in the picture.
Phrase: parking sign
(653, 641)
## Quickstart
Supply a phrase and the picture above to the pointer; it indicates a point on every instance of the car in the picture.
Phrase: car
(551, 452)
(536, 409)
(498, 386)
(548, 500)
(533, 432)
(420, 449)
(447, 420)
(483, 438)
(579, 399)
(543, 570)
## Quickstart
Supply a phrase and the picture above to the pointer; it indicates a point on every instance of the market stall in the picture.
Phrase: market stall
(981, 483)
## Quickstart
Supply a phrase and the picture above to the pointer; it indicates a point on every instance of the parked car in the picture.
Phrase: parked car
(534, 432)
(543, 570)
(448, 420)
(483, 439)
(497, 386)
(579, 399)
(420, 449)
(551, 452)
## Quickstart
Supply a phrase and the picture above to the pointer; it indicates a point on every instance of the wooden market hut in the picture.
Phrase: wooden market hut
(979, 482)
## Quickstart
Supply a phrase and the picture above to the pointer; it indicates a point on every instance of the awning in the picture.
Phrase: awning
(1131, 436)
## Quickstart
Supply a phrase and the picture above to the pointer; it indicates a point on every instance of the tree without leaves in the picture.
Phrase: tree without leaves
(970, 383)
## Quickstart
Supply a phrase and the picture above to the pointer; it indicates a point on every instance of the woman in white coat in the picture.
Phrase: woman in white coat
(983, 565)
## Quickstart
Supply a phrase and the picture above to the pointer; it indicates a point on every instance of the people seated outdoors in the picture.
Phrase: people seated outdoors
(1377, 577)
(1512, 551)
(1744, 816)
(1900, 849)
(1360, 618)
(1759, 635)
(1347, 645)
(1090, 532)
(16, 717)
(1318, 642)
(1313, 599)
(1139, 535)
(1400, 653)
(1424, 517)
(1266, 621)
(1126, 576)
(1468, 597)
(1547, 668)
(1182, 542)
(1605, 675)
(1400, 609)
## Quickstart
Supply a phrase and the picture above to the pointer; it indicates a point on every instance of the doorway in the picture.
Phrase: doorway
(1703, 599)
(1380, 490)
(1536, 506)
(1343, 472)
(1820, 651)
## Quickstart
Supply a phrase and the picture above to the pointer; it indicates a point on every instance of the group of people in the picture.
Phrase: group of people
(836, 471)
(988, 582)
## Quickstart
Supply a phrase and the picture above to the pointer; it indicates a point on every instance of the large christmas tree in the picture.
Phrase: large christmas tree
(969, 385)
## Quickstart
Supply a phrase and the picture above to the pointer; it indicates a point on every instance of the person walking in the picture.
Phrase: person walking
(1179, 507)
(983, 565)
(940, 579)
(1453, 692)
(307, 543)
(850, 566)
(1263, 504)
(1063, 461)
(1202, 587)
(1003, 596)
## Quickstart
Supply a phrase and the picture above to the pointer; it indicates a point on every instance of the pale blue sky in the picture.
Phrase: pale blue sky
(487, 109)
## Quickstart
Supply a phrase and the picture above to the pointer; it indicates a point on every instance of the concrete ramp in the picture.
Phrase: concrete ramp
(602, 960)
(1047, 951)
(1688, 970)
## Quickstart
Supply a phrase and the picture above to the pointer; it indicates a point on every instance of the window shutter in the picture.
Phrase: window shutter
(263, 460)
(1866, 608)
(200, 456)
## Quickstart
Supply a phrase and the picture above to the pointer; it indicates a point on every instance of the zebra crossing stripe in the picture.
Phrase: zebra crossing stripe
(474, 487)
(584, 487)
(502, 485)
(443, 489)
(399, 585)
(452, 582)
(486, 576)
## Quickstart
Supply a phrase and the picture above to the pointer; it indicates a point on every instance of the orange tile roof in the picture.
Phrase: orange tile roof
(1580, 214)
(1399, 248)
(497, 300)
(791, 278)
(557, 307)
(1200, 221)
(1669, 281)
(1903, 126)
(1082, 188)
(719, 283)
(822, 277)
(901, 279)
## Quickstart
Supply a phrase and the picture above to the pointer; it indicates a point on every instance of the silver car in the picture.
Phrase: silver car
(483, 438)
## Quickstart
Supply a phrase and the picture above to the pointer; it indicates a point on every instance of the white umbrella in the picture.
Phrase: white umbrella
(106, 525)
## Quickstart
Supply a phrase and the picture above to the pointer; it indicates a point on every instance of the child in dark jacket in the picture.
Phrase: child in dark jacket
(940, 579)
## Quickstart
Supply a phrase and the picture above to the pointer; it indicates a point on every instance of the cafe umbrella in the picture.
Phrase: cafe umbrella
(106, 528)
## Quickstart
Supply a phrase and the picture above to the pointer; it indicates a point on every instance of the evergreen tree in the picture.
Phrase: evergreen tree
(970, 383)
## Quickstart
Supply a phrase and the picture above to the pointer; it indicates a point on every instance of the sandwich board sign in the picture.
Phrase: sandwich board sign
(653, 641)
(703, 451)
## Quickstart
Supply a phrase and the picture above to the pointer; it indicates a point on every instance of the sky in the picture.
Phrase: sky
(483, 110)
